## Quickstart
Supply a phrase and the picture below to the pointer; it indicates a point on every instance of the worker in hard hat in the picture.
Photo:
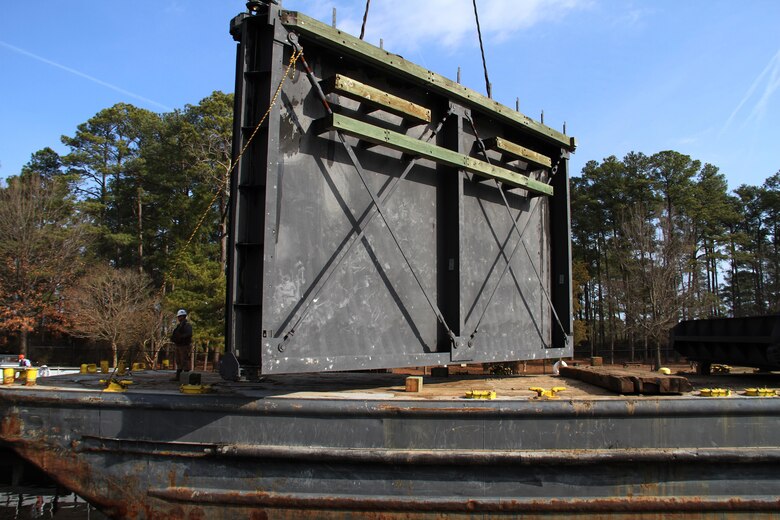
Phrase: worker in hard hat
(182, 339)
(23, 361)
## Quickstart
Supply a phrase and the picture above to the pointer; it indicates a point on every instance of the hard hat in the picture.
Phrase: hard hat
(181, 312)
(21, 356)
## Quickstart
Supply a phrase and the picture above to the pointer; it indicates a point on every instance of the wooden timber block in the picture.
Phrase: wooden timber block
(414, 384)
(628, 381)
(596, 361)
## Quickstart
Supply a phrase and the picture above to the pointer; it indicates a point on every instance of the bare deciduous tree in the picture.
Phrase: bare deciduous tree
(113, 305)
(654, 263)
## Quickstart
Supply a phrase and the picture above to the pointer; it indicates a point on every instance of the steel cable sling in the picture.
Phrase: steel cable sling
(377, 206)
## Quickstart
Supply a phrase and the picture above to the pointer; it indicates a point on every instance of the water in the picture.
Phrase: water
(25, 502)
(26, 492)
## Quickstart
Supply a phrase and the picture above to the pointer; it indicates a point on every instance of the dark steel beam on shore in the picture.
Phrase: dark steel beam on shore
(751, 341)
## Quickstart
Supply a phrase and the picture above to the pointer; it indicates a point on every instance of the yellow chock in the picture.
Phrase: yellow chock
(9, 374)
(481, 394)
(542, 393)
(760, 392)
(714, 392)
(83, 368)
(104, 367)
(665, 371)
(114, 386)
(195, 389)
(91, 368)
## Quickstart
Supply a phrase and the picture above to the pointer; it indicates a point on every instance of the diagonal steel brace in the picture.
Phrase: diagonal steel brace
(520, 241)
(377, 204)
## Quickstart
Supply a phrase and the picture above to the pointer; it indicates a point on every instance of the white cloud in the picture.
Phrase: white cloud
(408, 25)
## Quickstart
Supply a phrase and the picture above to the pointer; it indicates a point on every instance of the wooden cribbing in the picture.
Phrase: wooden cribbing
(629, 381)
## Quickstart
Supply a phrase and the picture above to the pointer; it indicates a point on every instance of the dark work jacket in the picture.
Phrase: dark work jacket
(182, 334)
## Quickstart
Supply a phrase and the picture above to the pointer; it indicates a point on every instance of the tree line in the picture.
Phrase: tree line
(658, 239)
(106, 241)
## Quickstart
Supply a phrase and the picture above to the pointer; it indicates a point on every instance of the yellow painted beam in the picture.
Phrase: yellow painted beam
(377, 98)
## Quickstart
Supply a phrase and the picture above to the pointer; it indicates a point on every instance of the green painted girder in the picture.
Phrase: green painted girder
(350, 45)
(438, 154)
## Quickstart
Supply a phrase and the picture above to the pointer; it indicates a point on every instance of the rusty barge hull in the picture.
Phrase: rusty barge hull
(168, 455)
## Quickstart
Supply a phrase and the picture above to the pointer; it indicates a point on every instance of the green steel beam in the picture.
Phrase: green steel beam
(410, 145)
(348, 44)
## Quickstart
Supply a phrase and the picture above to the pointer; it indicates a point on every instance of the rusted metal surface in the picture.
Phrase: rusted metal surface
(629, 381)
(476, 506)
(145, 454)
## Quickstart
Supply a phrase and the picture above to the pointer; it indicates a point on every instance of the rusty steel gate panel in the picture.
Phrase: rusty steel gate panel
(384, 216)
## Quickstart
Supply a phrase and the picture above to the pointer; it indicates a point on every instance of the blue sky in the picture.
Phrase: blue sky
(699, 77)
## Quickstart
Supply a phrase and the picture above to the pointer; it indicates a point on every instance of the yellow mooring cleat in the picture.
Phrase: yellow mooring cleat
(542, 393)
(115, 385)
(481, 394)
(715, 392)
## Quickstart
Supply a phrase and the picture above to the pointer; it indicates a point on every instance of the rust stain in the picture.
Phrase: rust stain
(582, 406)
(11, 427)
(444, 410)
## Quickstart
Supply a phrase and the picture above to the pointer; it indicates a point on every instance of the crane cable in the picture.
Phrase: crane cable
(365, 17)
(482, 49)
(479, 35)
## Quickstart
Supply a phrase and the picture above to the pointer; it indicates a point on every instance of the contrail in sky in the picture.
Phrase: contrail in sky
(85, 76)
(772, 84)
